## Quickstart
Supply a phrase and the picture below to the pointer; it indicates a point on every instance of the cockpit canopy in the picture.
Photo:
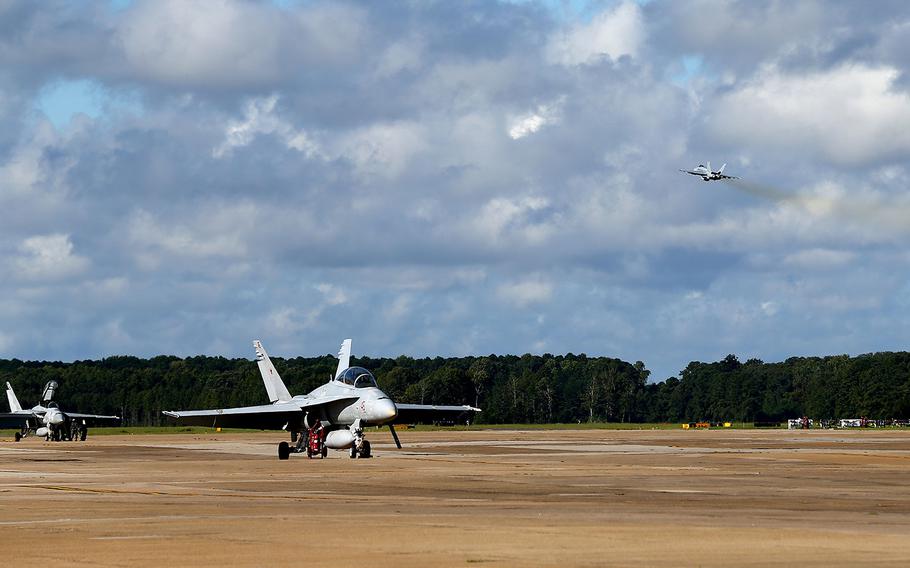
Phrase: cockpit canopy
(358, 377)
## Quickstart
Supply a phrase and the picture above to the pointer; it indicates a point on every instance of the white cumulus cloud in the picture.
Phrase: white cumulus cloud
(530, 123)
(194, 42)
(612, 33)
(524, 293)
(851, 114)
(49, 257)
(260, 118)
(513, 217)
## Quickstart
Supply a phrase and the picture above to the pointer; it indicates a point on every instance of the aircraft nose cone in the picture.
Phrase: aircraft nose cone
(384, 410)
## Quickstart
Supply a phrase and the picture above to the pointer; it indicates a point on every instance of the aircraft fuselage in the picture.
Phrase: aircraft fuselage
(371, 406)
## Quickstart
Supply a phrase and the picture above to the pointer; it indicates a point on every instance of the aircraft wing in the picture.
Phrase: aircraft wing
(262, 417)
(93, 419)
(432, 413)
(16, 419)
(722, 176)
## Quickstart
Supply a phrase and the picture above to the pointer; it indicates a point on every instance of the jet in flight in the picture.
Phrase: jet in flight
(333, 415)
(707, 174)
(47, 419)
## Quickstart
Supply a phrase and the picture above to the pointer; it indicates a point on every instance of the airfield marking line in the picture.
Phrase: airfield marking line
(90, 490)
(91, 520)
(214, 492)
(294, 496)
(131, 537)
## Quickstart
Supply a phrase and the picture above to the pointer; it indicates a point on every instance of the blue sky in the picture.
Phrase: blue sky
(182, 177)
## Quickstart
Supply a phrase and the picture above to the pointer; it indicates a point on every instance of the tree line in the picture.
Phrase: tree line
(510, 389)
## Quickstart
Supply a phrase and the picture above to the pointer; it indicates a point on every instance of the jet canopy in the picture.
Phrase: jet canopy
(49, 389)
(358, 377)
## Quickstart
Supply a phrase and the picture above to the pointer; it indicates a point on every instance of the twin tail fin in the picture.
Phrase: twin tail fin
(274, 386)
(14, 405)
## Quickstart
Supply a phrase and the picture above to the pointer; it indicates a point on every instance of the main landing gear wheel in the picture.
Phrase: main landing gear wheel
(284, 451)
(353, 452)
(18, 436)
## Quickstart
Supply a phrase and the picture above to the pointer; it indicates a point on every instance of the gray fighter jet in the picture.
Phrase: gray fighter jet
(707, 174)
(331, 416)
(47, 419)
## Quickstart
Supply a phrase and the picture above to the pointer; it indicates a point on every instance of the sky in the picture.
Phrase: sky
(454, 178)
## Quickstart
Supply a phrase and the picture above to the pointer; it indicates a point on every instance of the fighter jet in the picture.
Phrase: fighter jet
(47, 419)
(331, 416)
(707, 174)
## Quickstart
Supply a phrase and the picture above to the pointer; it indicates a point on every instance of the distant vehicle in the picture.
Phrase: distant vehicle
(707, 174)
(47, 419)
(331, 416)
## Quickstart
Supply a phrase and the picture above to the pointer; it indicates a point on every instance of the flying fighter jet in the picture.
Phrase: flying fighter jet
(47, 419)
(331, 416)
(707, 174)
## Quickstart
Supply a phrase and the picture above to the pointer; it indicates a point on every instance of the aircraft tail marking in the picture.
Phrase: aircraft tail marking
(14, 405)
(344, 357)
(274, 386)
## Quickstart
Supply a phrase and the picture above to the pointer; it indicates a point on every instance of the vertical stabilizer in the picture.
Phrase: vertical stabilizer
(14, 405)
(274, 386)
(344, 357)
(710, 171)
(721, 170)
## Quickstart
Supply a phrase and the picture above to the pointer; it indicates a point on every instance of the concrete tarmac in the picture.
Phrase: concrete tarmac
(452, 498)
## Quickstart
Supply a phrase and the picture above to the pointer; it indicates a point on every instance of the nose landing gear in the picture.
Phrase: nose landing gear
(361, 446)
(361, 450)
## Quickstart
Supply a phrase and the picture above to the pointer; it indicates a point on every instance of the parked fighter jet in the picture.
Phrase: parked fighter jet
(47, 419)
(707, 174)
(331, 416)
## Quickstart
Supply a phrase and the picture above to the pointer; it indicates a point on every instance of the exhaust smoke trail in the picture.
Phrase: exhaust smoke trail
(757, 190)
(892, 216)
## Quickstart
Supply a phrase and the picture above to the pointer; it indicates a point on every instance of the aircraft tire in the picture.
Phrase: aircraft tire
(18, 436)
(365, 450)
(83, 434)
(353, 452)
(284, 451)
(325, 452)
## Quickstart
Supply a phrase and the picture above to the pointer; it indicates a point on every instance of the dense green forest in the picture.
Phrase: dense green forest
(509, 389)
